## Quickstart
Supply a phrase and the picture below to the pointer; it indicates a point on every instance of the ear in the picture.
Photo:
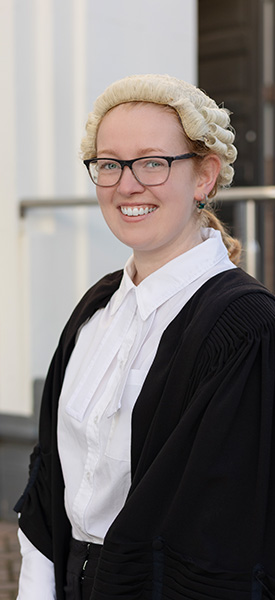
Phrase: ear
(206, 176)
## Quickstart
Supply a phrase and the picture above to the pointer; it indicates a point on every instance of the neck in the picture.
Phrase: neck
(147, 263)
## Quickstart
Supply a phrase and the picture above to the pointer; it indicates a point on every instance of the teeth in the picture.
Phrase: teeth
(135, 212)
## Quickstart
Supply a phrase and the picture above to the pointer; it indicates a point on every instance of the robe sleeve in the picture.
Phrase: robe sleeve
(228, 484)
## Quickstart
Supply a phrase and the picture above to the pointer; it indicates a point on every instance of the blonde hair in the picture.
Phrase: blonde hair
(205, 124)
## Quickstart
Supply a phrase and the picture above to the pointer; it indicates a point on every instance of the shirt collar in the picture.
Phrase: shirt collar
(174, 276)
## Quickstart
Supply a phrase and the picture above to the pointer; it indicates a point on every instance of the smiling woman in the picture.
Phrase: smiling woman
(154, 473)
(169, 224)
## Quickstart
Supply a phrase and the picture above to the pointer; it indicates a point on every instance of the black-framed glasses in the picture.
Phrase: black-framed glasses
(148, 170)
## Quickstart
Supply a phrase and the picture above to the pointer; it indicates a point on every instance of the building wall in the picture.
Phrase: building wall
(56, 56)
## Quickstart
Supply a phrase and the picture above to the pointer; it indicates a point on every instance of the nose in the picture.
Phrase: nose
(128, 184)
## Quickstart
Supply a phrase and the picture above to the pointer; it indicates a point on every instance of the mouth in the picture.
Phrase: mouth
(137, 211)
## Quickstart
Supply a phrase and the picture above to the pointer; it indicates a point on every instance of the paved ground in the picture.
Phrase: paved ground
(9, 561)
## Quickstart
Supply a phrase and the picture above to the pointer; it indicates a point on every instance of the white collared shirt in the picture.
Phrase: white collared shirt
(104, 377)
(106, 371)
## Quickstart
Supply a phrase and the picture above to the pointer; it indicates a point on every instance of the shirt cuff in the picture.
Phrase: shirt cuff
(37, 573)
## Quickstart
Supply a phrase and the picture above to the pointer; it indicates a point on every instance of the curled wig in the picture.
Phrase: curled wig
(201, 118)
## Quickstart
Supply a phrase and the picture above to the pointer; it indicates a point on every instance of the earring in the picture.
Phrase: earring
(201, 203)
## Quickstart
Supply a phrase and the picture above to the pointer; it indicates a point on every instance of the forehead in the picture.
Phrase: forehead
(140, 122)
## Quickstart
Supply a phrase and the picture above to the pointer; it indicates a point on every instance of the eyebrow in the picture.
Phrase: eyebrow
(141, 152)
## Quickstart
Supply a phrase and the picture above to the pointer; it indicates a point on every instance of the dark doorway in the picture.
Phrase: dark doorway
(230, 70)
(237, 68)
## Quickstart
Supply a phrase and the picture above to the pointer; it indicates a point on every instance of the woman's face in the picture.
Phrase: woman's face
(171, 228)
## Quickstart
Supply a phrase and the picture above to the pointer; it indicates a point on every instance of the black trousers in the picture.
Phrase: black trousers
(81, 569)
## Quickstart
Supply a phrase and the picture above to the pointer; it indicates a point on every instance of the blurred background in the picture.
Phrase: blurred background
(56, 56)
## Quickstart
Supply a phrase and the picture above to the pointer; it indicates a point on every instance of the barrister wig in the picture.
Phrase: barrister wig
(201, 118)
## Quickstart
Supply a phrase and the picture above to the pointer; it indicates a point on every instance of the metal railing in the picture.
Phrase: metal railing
(257, 252)
(73, 202)
(254, 225)
(259, 193)
(234, 194)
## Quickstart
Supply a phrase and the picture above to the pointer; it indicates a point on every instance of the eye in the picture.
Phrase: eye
(107, 165)
(153, 164)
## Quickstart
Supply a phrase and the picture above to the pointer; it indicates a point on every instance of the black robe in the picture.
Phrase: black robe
(199, 519)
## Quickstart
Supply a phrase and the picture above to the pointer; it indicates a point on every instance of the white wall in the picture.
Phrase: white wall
(56, 57)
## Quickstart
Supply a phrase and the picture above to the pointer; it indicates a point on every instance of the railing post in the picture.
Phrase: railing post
(251, 242)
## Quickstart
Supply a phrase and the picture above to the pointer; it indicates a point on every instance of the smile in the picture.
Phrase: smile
(136, 211)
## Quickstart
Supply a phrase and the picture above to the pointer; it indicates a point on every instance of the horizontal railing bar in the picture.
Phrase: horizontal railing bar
(30, 204)
(266, 192)
(259, 193)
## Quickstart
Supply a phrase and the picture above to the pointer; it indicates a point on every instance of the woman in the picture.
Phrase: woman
(156, 416)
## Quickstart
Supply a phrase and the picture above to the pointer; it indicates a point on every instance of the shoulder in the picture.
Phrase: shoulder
(242, 299)
(229, 310)
(100, 293)
(243, 317)
(95, 298)
(235, 283)
(235, 292)
(233, 338)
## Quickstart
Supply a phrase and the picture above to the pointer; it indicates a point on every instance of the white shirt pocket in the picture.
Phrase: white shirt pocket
(119, 441)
